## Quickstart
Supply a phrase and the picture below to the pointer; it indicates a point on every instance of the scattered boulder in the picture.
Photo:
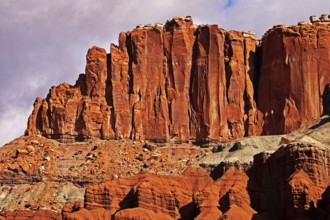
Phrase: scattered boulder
(47, 158)
(20, 152)
(150, 146)
(30, 148)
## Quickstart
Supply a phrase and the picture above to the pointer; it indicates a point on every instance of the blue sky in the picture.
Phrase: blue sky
(229, 4)
(43, 43)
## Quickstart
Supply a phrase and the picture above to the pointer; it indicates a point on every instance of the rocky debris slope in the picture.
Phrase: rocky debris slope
(181, 82)
(38, 173)
(33, 215)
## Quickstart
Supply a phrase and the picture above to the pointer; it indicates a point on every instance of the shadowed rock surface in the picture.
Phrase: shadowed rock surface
(326, 100)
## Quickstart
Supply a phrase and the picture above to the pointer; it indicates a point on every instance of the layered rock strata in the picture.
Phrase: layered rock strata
(164, 197)
(291, 183)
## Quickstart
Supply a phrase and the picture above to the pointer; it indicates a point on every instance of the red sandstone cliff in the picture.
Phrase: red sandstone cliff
(181, 82)
(174, 82)
(293, 76)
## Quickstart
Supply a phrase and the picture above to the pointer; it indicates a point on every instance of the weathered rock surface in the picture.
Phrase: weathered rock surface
(162, 197)
(293, 75)
(289, 184)
(167, 195)
(184, 82)
(243, 150)
(292, 183)
(176, 82)
(38, 173)
(226, 198)
(30, 215)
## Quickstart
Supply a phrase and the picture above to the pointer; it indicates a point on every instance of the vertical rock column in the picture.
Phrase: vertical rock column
(208, 85)
(34, 124)
(97, 113)
(253, 118)
(148, 95)
(120, 80)
(235, 74)
(178, 46)
(273, 83)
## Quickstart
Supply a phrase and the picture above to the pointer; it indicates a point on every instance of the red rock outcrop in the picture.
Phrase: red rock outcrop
(168, 197)
(30, 215)
(184, 82)
(175, 82)
(140, 213)
(293, 75)
(191, 196)
(74, 112)
(289, 184)
(227, 198)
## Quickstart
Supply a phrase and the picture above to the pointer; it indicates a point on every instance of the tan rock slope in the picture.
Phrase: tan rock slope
(186, 82)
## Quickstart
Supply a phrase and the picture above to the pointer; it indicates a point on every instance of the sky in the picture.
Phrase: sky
(44, 42)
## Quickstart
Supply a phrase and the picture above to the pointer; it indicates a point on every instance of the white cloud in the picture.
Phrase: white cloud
(44, 43)
(13, 123)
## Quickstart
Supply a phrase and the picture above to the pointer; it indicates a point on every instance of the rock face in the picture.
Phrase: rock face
(226, 198)
(181, 82)
(176, 82)
(293, 76)
(75, 112)
(31, 215)
(193, 195)
(291, 183)
(163, 197)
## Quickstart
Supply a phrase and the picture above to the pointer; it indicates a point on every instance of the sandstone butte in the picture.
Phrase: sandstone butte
(182, 82)
(173, 84)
